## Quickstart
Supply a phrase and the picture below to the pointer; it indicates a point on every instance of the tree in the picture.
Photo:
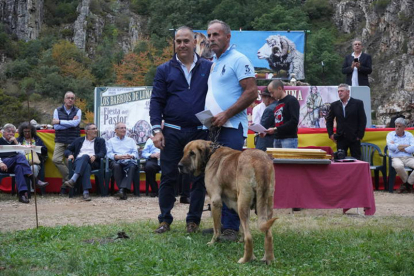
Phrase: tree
(135, 66)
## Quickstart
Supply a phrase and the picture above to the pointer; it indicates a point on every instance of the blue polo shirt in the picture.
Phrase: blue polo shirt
(224, 88)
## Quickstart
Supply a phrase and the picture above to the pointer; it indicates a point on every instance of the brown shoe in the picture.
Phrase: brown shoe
(404, 188)
(164, 227)
(68, 184)
(192, 227)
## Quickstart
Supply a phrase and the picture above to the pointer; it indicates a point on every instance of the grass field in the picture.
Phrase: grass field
(317, 245)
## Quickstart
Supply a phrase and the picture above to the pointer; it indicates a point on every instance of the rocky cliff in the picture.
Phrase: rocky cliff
(385, 27)
(387, 31)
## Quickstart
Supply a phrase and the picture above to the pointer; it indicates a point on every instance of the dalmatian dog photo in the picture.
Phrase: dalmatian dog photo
(282, 55)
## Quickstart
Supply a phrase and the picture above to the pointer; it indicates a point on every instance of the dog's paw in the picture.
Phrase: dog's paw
(210, 243)
(244, 260)
(268, 261)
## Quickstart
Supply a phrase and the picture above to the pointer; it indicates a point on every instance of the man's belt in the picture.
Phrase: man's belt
(183, 128)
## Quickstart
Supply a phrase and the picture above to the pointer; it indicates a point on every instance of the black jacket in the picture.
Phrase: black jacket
(350, 127)
(75, 147)
(364, 70)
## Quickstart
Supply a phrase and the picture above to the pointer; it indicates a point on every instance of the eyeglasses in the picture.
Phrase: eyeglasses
(121, 128)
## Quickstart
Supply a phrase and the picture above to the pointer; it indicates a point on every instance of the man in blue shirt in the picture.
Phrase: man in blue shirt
(152, 154)
(66, 120)
(179, 92)
(231, 89)
(401, 148)
(123, 153)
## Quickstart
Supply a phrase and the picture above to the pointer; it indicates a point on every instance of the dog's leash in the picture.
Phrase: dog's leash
(213, 136)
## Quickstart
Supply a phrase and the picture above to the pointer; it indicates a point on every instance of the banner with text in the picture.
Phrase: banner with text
(129, 105)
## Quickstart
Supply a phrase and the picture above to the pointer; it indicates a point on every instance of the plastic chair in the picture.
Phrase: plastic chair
(391, 171)
(368, 151)
(99, 179)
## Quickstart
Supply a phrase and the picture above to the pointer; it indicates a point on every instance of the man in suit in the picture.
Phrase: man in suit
(350, 120)
(87, 152)
(357, 66)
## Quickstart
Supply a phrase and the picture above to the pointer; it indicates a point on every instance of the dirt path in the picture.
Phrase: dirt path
(54, 210)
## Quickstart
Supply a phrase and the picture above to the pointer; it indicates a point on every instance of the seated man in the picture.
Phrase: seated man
(16, 163)
(152, 154)
(401, 147)
(123, 153)
(87, 152)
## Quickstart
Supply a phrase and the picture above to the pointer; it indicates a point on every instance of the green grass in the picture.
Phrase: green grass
(318, 245)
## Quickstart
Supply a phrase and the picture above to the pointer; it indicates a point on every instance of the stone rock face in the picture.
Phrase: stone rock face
(387, 31)
(79, 38)
(22, 17)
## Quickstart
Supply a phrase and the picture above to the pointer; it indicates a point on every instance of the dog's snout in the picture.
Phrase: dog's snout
(180, 167)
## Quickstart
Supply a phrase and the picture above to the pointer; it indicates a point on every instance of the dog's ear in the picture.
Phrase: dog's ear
(205, 151)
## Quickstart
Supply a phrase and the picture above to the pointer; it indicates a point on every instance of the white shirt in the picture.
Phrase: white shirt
(188, 74)
(258, 112)
(88, 147)
(355, 73)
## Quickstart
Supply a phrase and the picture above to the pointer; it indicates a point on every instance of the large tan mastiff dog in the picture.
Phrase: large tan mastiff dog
(243, 180)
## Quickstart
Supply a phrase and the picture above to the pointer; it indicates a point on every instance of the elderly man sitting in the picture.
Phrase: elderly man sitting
(123, 153)
(152, 154)
(401, 147)
(87, 153)
(16, 163)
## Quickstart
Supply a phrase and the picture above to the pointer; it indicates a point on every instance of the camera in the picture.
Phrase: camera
(340, 154)
(356, 60)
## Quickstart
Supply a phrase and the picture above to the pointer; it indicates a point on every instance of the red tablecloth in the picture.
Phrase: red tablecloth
(337, 185)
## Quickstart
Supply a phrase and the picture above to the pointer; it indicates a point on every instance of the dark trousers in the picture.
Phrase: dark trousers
(151, 169)
(19, 166)
(123, 179)
(83, 167)
(175, 141)
(232, 138)
(183, 185)
(353, 146)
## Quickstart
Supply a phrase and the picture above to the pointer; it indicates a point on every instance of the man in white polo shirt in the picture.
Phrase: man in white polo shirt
(231, 89)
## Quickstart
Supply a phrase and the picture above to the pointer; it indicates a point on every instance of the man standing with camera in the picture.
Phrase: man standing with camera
(350, 120)
(357, 66)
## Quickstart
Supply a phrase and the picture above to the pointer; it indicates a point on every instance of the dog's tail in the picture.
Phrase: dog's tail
(266, 225)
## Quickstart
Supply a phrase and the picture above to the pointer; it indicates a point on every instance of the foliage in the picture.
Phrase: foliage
(87, 116)
(317, 9)
(281, 19)
(13, 111)
(337, 245)
(60, 12)
(18, 69)
(135, 67)
(320, 48)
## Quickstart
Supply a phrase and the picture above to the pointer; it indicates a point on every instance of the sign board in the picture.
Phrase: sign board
(129, 105)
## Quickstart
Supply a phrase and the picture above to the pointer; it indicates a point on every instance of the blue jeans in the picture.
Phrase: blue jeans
(290, 143)
(175, 141)
(232, 138)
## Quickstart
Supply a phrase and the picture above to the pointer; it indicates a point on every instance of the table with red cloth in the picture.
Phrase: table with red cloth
(324, 186)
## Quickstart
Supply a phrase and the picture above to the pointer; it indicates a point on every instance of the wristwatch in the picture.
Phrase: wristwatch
(155, 131)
